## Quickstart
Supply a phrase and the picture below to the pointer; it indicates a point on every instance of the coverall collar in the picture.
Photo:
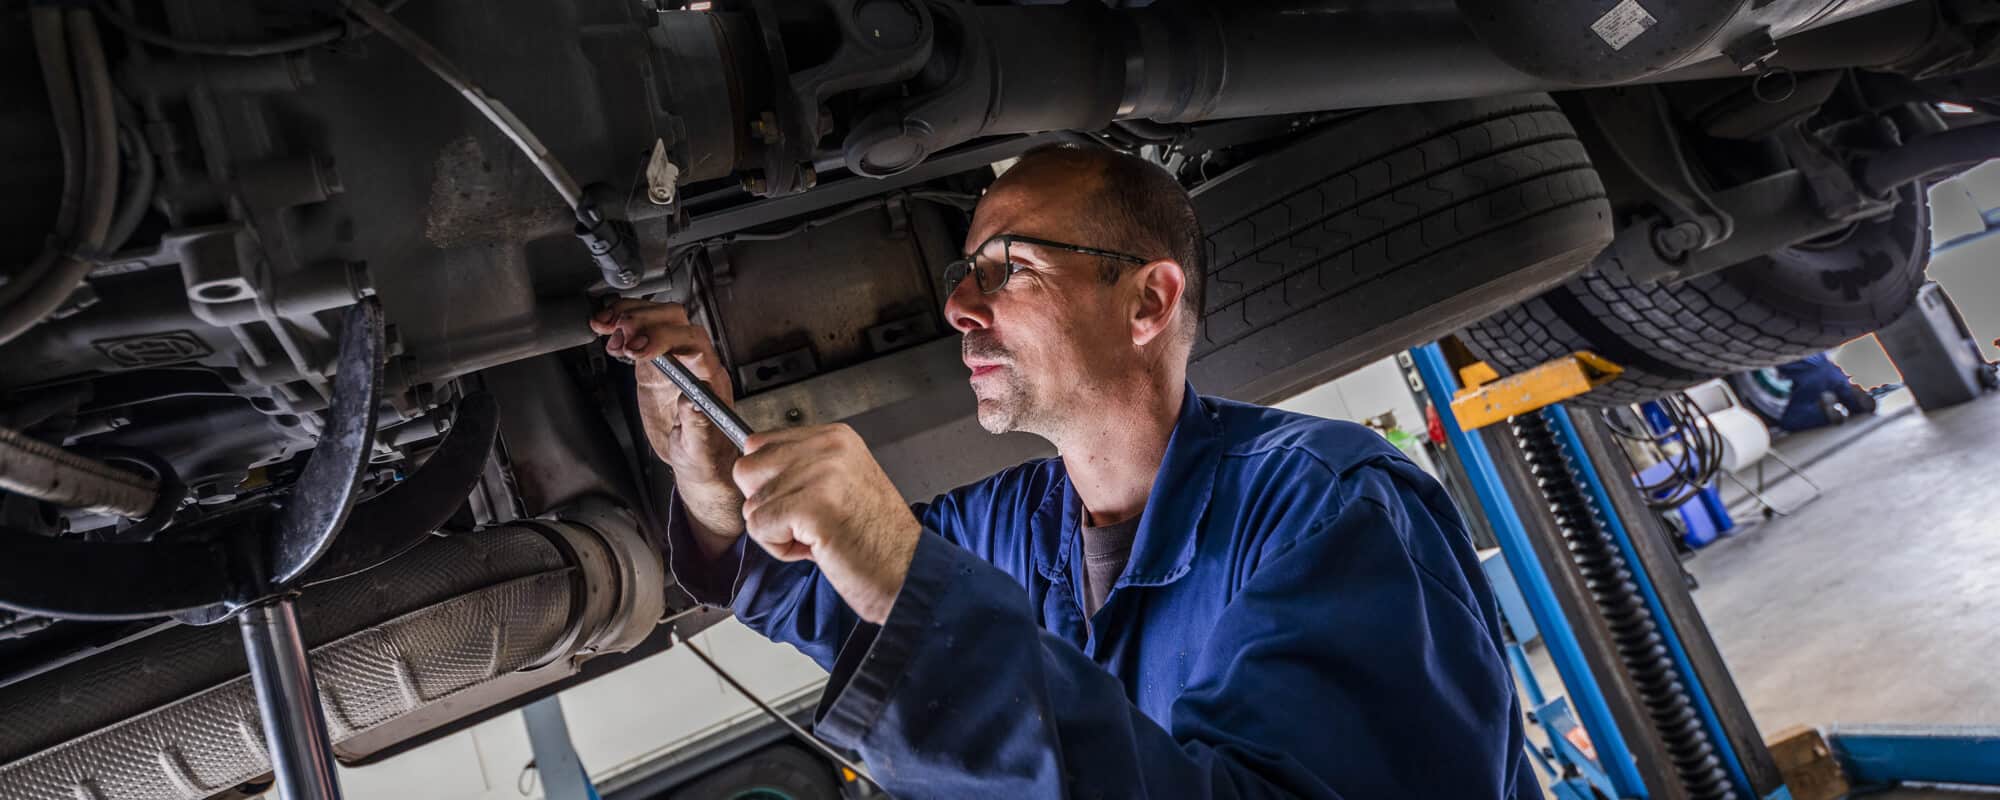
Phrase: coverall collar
(1181, 490)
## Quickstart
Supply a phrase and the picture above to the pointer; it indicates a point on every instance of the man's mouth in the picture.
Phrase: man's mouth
(983, 369)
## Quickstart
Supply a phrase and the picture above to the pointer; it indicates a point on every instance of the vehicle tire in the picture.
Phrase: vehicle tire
(1763, 391)
(1385, 229)
(778, 772)
(1789, 304)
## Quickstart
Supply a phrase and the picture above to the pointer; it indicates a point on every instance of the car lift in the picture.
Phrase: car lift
(1651, 710)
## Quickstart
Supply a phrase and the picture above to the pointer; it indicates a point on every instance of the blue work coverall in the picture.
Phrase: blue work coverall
(1302, 616)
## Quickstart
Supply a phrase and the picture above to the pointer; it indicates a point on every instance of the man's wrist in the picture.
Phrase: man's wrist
(714, 515)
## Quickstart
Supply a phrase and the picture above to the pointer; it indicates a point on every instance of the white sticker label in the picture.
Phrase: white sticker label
(1623, 23)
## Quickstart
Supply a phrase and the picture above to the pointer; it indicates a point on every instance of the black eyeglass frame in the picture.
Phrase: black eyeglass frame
(955, 272)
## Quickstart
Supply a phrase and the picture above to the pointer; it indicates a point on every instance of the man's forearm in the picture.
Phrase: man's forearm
(714, 516)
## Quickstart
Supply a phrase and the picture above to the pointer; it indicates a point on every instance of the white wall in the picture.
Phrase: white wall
(616, 721)
(1363, 394)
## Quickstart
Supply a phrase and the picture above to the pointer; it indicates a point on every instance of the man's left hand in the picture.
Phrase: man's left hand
(816, 493)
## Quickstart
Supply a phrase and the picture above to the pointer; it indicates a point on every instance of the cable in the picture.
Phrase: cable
(52, 50)
(802, 734)
(99, 185)
(1700, 458)
(611, 243)
(139, 157)
(494, 111)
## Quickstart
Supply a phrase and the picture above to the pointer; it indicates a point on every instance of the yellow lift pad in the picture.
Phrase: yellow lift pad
(1487, 398)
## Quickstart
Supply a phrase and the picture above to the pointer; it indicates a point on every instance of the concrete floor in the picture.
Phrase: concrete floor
(1879, 601)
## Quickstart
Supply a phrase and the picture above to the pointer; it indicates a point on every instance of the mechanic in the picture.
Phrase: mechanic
(1196, 598)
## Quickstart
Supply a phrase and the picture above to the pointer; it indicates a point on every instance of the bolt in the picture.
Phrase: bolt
(1676, 240)
(625, 279)
(808, 177)
(753, 182)
(765, 127)
(661, 195)
(794, 415)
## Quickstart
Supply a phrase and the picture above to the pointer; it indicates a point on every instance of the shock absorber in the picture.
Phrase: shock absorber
(1642, 648)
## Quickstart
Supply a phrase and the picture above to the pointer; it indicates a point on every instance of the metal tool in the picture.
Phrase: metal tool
(704, 398)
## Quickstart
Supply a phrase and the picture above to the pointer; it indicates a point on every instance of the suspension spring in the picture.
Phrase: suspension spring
(1641, 646)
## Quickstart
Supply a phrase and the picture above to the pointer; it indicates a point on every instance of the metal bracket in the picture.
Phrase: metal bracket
(1479, 405)
(402, 517)
(325, 491)
(1636, 127)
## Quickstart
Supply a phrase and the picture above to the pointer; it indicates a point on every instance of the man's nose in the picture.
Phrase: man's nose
(967, 308)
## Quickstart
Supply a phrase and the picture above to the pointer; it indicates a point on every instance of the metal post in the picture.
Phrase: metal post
(562, 773)
(1633, 528)
(288, 701)
(1592, 710)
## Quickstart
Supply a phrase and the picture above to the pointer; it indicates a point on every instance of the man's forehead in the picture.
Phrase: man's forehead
(1038, 201)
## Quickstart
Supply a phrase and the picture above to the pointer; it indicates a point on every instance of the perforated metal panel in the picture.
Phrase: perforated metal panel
(44, 711)
(211, 741)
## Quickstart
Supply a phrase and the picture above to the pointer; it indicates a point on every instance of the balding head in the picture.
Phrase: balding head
(1120, 202)
(1067, 337)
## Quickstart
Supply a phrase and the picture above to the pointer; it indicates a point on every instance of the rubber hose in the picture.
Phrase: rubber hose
(145, 175)
(1966, 146)
(100, 183)
(1615, 591)
(52, 51)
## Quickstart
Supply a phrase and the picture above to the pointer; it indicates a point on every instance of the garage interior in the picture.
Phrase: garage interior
(315, 485)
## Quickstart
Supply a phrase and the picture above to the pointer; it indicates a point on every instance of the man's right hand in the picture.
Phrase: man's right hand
(701, 456)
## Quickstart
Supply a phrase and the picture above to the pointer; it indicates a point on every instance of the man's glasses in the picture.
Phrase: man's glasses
(993, 263)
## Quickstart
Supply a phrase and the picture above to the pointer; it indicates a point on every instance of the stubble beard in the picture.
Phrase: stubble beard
(1003, 402)
(1001, 407)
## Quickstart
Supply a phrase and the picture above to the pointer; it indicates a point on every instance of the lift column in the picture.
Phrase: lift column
(1656, 699)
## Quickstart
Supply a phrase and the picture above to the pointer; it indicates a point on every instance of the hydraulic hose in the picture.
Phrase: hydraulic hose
(59, 82)
(1615, 591)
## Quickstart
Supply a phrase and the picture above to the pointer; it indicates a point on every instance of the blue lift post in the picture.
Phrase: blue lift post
(1593, 483)
(1582, 688)
(562, 773)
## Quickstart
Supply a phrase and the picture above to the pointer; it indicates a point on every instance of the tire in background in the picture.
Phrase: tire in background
(778, 772)
(1763, 391)
(1386, 229)
(1801, 300)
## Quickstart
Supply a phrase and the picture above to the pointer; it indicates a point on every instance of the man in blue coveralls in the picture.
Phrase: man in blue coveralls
(1196, 598)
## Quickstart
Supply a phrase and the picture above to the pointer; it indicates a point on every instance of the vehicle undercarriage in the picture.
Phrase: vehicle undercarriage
(217, 209)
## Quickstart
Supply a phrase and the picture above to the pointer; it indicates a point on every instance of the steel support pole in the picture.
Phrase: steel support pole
(1638, 532)
(1575, 642)
(288, 701)
(562, 773)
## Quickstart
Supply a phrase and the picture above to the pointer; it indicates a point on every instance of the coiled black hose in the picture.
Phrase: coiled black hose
(1641, 647)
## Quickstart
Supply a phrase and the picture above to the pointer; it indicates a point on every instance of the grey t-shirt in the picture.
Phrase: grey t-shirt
(1105, 551)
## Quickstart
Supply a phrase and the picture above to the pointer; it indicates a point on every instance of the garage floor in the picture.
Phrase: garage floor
(1879, 601)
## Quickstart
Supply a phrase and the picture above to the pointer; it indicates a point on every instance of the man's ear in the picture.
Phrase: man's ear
(1160, 284)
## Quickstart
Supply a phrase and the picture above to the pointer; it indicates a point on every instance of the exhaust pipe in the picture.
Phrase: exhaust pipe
(174, 715)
